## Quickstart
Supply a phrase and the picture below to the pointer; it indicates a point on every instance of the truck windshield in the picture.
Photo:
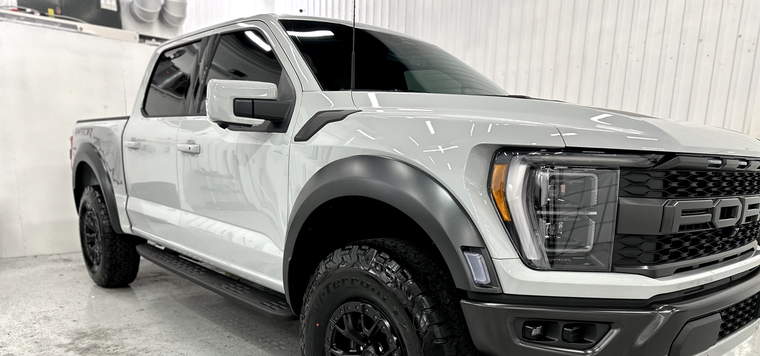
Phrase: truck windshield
(384, 62)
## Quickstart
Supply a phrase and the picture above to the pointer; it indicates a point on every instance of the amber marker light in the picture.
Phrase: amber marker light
(498, 180)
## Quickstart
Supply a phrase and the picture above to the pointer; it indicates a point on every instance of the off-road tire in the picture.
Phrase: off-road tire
(118, 260)
(419, 292)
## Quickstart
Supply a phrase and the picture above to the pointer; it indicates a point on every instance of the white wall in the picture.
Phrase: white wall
(690, 60)
(204, 13)
(48, 80)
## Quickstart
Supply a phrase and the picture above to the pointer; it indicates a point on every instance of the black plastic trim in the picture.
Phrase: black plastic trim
(115, 118)
(88, 154)
(669, 269)
(243, 107)
(632, 211)
(643, 331)
(272, 110)
(319, 120)
(554, 335)
(259, 298)
(728, 163)
(696, 336)
(404, 187)
(660, 214)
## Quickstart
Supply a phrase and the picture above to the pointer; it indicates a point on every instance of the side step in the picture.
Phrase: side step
(239, 292)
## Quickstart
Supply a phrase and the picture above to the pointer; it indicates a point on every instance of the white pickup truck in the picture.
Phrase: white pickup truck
(400, 203)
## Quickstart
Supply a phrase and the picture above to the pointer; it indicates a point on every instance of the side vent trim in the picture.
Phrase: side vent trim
(319, 120)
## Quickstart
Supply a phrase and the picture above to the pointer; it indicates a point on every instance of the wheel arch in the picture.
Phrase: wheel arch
(396, 184)
(88, 169)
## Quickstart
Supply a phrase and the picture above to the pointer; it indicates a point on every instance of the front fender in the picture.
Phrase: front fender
(409, 190)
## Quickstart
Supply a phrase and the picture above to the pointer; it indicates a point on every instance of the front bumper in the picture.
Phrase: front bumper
(681, 327)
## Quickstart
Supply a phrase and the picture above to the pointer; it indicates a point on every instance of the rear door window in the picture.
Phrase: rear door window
(171, 80)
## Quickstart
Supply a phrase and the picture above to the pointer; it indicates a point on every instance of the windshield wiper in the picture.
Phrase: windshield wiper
(519, 96)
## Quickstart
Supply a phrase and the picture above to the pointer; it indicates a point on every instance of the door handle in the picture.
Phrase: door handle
(132, 144)
(189, 148)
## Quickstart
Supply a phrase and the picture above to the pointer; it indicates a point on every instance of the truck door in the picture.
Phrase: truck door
(149, 140)
(233, 180)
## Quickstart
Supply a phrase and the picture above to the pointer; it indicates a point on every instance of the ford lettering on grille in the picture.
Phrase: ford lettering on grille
(690, 215)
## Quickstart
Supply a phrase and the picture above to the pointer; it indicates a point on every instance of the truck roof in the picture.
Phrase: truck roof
(276, 17)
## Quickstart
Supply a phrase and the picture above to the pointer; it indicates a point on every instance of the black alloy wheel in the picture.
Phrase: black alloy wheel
(91, 242)
(360, 329)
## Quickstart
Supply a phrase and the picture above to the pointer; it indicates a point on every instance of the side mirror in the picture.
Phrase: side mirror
(235, 101)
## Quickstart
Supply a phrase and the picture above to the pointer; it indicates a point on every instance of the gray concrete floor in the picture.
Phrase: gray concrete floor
(49, 306)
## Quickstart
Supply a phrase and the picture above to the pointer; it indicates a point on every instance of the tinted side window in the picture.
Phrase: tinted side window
(326, 48)
(247, 55)
(170, 81)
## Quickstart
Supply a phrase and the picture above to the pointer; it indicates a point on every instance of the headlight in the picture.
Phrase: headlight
(560, 208)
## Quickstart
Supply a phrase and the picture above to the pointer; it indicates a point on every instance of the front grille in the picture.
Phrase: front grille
(637, 250)
(669, 184)
(737, 316)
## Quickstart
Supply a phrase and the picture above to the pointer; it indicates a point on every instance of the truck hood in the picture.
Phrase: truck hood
(586, 127)
(579, 126)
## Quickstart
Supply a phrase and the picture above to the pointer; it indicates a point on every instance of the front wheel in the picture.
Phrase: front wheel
(111, 259)
(383, 297)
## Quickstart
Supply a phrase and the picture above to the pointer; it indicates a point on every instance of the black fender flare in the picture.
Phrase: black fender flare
(406, 188)
(88, 154)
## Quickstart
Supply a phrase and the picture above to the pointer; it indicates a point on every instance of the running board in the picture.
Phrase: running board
(256, 299)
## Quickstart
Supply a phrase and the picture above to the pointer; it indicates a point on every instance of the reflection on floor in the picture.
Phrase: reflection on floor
(49, 306)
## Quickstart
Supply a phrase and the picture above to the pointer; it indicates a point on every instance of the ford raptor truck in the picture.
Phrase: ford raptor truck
(397, 202)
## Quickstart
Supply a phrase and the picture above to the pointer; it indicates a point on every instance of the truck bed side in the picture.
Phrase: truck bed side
(97, 159)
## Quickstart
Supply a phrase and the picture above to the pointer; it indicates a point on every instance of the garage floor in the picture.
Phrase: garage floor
(49, 306)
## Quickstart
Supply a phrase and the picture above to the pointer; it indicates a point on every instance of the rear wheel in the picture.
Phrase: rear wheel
(383, 297)
(111, 259)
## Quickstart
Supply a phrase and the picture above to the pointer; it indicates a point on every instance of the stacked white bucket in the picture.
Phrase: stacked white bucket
(172, 12)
